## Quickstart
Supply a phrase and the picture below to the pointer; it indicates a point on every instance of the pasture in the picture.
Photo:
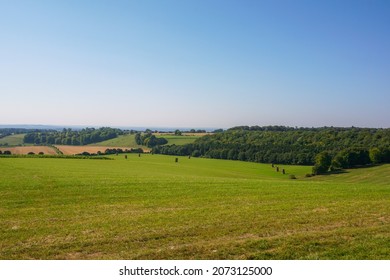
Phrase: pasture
(180, 140)
(128, 140)
(12, 140)
(150, 207)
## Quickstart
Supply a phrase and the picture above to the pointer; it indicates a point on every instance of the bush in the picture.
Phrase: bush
(41, 153)
(31, 153)
(7, 152)
(292, 176)
(308, 175)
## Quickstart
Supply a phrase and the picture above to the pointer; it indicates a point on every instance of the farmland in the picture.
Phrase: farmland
(23, 150)
(128, 140)
(150, 207)
(12, 140)
(73, 150)
(180, 140)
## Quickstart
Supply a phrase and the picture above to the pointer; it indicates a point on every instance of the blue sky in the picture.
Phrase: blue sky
(195, 63)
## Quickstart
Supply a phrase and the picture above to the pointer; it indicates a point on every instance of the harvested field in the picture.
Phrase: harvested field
(73, 150)
(24, 150)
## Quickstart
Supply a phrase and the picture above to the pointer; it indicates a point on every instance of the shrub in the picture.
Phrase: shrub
(308, 175)
(292, 176)
(31, 153)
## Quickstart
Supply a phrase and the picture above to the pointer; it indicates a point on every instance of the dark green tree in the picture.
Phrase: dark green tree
(322, 163)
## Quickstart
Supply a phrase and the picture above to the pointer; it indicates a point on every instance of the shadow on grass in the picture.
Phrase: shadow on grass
(364, 166)
(340, 171)
(343, 171)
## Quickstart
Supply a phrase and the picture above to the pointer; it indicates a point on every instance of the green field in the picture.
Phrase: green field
(12, 140)
(128, 140)
(180, 140)
(150, 207)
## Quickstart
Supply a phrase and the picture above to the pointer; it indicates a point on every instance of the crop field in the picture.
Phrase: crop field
(151, 207)
(73, 150)
(12, 140)
(23, 150)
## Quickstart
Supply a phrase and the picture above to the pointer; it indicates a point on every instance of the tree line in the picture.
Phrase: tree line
(347, 147)
(72, 137)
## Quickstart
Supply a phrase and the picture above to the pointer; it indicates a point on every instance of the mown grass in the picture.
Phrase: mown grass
(150, 207)
(12, 140)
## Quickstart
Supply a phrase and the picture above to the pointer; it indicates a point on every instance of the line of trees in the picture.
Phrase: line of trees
(72, 137)
(287, 145)
(351, 157)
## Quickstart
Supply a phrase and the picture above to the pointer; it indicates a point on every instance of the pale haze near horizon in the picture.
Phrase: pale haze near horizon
(195, 63)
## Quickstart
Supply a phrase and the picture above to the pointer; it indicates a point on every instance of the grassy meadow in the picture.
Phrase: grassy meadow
(128, 140)
(12, 140)
(180, 140)
(150, 207)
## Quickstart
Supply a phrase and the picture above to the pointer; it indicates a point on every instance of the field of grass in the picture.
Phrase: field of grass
(12, 140)
(150, 207)
(180, 140)
(129, 140)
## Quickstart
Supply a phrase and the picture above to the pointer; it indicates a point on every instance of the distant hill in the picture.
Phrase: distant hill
(79, 127)
(38, 126)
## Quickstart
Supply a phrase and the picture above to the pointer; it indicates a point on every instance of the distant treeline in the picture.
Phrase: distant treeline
(9, 131)
(72, 137)
(288, 145)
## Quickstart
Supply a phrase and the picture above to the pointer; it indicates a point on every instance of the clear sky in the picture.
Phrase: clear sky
(195, 63)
